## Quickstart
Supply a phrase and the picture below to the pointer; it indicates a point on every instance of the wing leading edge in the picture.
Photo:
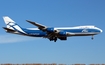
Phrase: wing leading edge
(36, 24)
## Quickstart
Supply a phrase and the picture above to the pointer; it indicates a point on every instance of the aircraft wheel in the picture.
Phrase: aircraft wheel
(55, 39)
(92, 38)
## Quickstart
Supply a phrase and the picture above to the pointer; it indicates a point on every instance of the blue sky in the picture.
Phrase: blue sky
(53, 13)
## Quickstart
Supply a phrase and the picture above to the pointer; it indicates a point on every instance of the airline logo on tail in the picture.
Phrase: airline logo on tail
(12, 25)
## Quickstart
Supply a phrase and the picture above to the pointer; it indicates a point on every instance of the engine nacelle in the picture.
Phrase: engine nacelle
(62, 33)
(50, 29)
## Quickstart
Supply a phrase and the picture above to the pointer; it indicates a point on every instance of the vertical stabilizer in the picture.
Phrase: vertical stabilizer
(8, 21)
(12, 25)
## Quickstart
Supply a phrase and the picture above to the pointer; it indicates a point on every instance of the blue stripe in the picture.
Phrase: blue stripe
(17, 30)
(14, 27)
(41, 33)
(35, 32)
(79, 30)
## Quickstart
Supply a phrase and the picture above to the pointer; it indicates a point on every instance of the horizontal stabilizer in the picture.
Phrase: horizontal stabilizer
(9, 30)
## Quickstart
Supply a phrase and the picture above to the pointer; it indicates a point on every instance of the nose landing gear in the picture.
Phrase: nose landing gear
(92, 37)
(55, 39)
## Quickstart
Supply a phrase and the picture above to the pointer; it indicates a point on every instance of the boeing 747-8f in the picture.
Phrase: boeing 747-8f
(52, 33)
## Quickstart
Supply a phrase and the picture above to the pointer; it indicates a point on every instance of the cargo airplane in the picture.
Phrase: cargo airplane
(52, 33)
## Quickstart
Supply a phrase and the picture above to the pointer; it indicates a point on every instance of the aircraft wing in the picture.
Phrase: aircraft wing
(37, 24)
(43, 27)
(49, 29)
(52, 32)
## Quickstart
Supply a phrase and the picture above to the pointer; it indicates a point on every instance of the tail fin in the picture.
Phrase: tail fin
(8, 21)
(12, 24)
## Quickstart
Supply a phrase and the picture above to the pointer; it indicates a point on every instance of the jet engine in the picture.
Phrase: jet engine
(50, 29)
(62, 33)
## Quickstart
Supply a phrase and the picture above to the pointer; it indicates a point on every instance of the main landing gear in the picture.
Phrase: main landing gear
(53, 39)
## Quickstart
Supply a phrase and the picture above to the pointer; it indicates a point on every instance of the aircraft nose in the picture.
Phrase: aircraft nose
(100, 30)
